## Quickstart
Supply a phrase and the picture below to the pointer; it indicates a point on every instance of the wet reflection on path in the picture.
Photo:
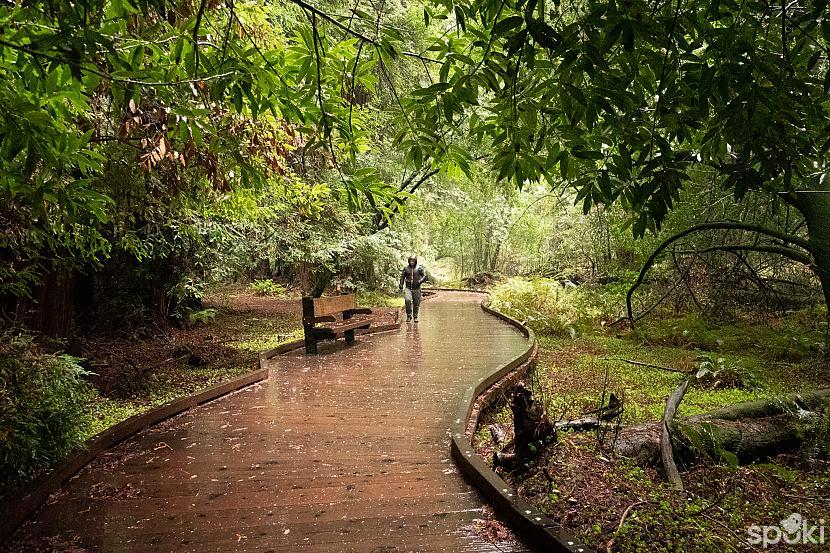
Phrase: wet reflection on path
(343, 451)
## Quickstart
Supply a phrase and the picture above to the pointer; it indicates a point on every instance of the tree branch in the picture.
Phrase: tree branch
(87, 68)
(789, 253)
(380, 222)
(199, 15)
(350, 31)
(723, 225)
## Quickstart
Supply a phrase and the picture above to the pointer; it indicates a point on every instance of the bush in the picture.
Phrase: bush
(267, 288)
(184, 298)
(201, 317)
(42, 417)
(548, 306)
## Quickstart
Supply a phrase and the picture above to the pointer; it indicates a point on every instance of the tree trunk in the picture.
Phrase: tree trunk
(50, 313)
(814, 204)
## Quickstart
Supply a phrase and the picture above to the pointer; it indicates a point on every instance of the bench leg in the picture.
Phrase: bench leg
(310, 343)
(349, 336)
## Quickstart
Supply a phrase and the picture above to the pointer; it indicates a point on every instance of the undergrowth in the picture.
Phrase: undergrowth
(582, 357)
(379, 298)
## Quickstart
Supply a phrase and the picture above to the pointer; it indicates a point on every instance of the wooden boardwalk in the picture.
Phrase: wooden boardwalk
(343, 451)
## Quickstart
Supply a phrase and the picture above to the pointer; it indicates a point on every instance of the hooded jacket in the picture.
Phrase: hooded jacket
(412, 277)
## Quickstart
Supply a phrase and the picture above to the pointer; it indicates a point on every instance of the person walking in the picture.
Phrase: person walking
(412, 277)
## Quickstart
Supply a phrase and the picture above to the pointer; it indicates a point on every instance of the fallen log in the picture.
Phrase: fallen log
(750, 431)
(792, 403)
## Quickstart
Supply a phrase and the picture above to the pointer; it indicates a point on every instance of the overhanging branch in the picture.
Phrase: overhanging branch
(381, 222)
(788, 252)
(348, 30)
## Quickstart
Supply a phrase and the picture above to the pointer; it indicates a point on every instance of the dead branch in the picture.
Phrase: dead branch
(666, 451)
(724, 225)
(620, 525)
(650, 365)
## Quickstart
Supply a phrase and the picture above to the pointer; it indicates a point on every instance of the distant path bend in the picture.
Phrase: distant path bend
(343, 451)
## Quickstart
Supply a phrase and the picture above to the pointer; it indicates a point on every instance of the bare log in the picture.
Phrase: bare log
(605, 414)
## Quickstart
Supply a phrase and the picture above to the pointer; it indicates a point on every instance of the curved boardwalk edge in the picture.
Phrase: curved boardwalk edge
(529, 522)
(26, 502)
(23, 504)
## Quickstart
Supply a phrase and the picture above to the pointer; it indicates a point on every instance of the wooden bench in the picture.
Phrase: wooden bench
(324, 310)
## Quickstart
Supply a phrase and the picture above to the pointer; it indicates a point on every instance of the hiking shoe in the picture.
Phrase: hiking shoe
(409, 319)
(416, 320)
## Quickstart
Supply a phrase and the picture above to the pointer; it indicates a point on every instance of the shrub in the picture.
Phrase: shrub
(42, 417)
(548, 306)
(203, 316)
(184, 298)
(715, 374)
(267, 287)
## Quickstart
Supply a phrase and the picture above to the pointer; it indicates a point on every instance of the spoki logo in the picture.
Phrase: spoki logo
(792, 530)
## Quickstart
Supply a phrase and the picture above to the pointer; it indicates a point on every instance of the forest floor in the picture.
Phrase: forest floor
(135, 373)
(140, 369)
(615, 505)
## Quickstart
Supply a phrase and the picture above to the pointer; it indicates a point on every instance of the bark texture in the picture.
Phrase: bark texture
(751, 431)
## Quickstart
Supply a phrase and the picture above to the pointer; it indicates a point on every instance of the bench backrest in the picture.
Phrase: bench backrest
(329, 305)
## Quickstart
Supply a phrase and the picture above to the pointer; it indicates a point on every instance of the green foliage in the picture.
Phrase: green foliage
(373, 298)
(373, 263)
(627, 107)
(42, 398)
(267, 287)
(125, 122)
(201, 317)
(551, 307)
(737, 362)
(716, 374)
(185, 299)
(796, 336)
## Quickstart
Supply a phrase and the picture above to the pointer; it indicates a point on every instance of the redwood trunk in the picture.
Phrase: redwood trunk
(50, 312)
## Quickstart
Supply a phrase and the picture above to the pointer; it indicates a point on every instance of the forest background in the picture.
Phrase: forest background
(633, 179)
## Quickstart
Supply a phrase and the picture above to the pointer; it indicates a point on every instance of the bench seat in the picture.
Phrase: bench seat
(321, 322)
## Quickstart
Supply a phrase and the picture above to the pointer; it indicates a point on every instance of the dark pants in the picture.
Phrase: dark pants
(412, 299)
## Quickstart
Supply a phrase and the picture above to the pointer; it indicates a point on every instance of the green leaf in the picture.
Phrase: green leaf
(575, 93)
(507, 24)
(515, 43)
(586, 154)
(543, 34)
(237, 99)
(459, 17)
(813, 60)
(137, 57)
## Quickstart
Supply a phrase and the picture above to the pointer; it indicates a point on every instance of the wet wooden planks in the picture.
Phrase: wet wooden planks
(343, 451)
